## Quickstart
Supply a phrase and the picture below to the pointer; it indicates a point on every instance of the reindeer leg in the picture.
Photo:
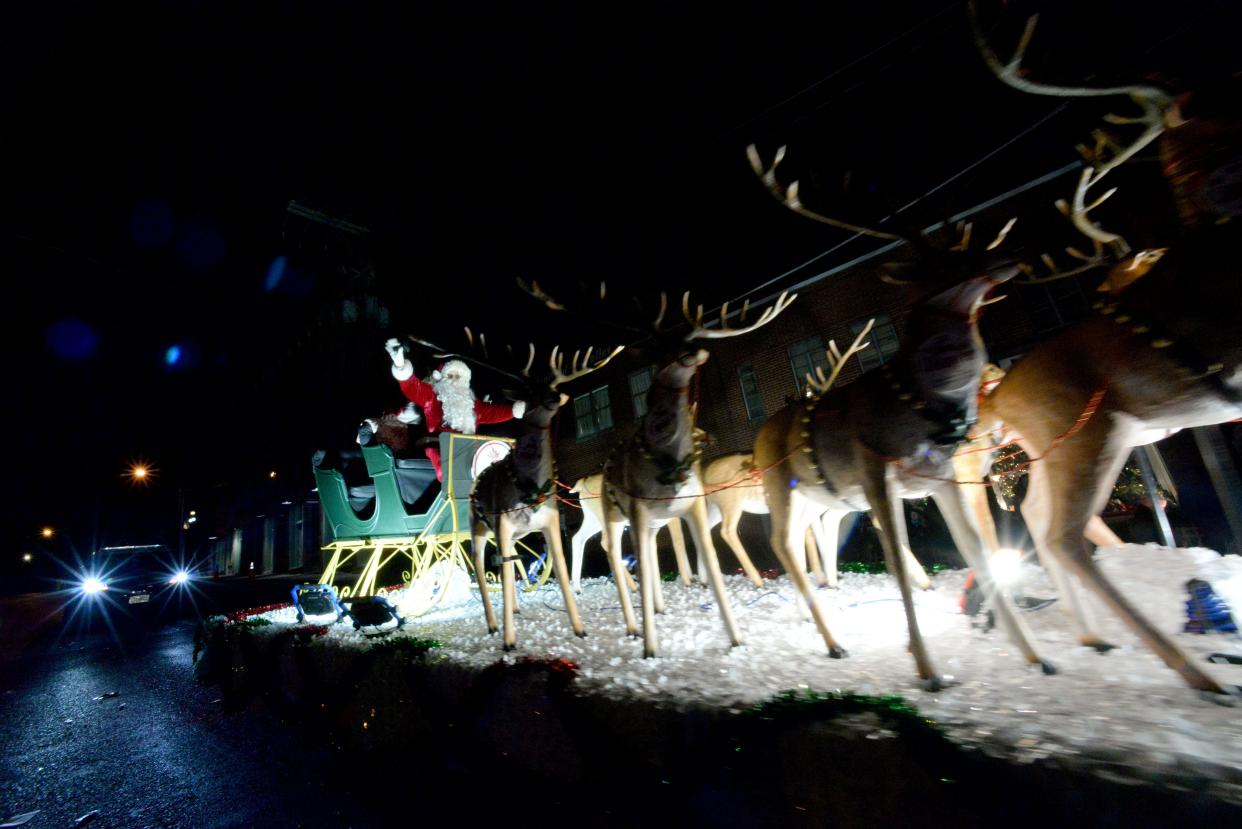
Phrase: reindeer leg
(504, 539)
(1036, 511)
(644, 538)
(577, 547)
(810, 548)
(914, 570)
(657, 585)
(702, 533)
(552, 535)
(966, 536)
(1100, 534)
(679, 551)
(1081, 473)
(780, 498)
(478, 542)
(728, 531)
(886, 508)
(613, 525)
(828, 540)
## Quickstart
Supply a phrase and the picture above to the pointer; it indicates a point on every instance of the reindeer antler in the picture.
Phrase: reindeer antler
(578, 367)
(699, 332)
(1157, 105)
(1107, 247)
(836, 361)
(788, 196)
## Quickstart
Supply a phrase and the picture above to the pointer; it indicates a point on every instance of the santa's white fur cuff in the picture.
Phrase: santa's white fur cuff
(404, 371)
(519, 408)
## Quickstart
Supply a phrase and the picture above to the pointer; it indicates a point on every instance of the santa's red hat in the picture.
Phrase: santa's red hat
(462, 370)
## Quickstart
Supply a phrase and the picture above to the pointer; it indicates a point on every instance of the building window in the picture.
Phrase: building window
(593, 413)
(883, 339)
(640, 381)
(750, 393)
(1054, 305)
(804, 357)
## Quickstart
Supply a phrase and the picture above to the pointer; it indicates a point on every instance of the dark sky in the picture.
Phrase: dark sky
(149, 151)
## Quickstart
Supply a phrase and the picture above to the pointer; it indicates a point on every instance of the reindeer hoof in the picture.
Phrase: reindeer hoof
(1100, 646)
(649, 654)
(936, 683)
(837, 652)
(507, 647)
(491, 631)
(1047, 667)
(581, 634)
(633, 634)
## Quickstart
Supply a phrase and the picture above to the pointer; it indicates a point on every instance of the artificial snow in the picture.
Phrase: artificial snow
(1124, 714)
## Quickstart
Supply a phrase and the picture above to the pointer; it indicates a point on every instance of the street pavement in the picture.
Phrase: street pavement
(112, 726)
(113, 723)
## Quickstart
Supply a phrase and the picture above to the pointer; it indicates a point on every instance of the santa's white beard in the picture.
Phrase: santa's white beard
(457, 402)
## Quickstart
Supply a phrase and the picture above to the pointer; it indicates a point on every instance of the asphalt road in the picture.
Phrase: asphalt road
(162, 751)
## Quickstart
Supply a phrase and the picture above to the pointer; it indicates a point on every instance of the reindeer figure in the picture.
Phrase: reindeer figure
(590, 494)
(892, 433)
(1164, 354)
(517, 495)
(655, 477)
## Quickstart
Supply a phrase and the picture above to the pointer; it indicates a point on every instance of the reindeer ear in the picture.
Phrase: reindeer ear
(899, 273)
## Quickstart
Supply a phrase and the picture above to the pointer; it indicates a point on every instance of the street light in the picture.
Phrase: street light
(140, 473)
(27, 557)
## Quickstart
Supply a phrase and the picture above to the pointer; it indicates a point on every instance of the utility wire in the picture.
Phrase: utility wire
(834, 73)
(971, 166)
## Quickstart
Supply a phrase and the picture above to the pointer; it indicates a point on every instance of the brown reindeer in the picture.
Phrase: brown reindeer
(517, 495)
(1164, 354)
(655, 477)
(735, 485)
(892, 433)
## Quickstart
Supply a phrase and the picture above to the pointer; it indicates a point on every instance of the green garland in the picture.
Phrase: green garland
(412, 647)
(874, 568)
(940, 757)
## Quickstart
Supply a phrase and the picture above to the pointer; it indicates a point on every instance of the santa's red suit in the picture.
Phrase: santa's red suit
(447, 402)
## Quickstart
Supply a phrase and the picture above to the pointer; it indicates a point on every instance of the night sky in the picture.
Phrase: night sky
(149, 151)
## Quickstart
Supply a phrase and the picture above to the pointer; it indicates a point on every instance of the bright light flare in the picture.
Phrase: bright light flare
(92, 585)
(140, 473)
(179, 577)
(27, 557)
(47, 532)
(1006, 566)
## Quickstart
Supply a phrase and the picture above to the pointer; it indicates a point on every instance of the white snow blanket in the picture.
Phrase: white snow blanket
(1125, 714)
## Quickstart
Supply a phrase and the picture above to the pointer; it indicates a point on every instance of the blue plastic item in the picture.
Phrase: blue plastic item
(1206, 611)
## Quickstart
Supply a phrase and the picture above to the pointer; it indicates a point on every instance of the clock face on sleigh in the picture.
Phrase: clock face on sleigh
(488, 454)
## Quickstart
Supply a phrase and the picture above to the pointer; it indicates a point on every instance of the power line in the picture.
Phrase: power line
(972, 165)
(834, 73)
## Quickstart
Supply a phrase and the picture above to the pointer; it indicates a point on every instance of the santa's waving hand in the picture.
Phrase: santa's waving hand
(447, 400)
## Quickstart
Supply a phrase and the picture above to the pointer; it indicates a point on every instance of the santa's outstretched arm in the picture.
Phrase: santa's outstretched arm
(498, 412)
(414, 389)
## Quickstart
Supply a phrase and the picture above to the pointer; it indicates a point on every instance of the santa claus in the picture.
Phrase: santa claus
(447, 401)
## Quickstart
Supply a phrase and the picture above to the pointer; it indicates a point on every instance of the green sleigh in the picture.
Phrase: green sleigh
(387, 520)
